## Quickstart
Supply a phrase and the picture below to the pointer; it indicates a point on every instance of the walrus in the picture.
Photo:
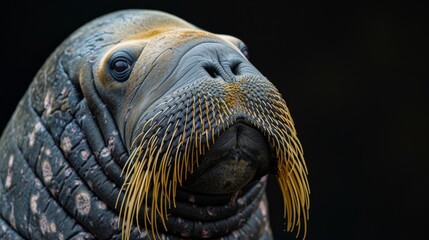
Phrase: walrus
(141, 125)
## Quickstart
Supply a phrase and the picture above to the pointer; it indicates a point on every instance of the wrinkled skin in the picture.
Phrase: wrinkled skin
(63, 151)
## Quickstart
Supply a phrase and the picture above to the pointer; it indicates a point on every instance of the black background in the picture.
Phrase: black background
(354, 76)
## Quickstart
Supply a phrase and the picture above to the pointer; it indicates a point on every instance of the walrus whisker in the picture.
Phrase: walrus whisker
(294, 186)
(164, 162)
(143, 135)
(296, 197)
(152, 221)
(201, 115)
(139, 193)
(130, 197)
(215, 119)
(155, 181)
(221, 122)
(161, 208)
(175, 173)
(186, 160)
(134, 193)
(207, 112)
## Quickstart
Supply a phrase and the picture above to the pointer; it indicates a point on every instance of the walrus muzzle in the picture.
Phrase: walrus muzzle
(218, 130)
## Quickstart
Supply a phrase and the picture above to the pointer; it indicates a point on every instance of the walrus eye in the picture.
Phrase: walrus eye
(244, 50)
(121, 64)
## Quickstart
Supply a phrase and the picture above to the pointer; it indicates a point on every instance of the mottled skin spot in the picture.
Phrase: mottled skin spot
(8, 181)
(64, 90)
(37, 127)
(37, 183)
(53, 227)
(31, 139)
(47, 171)
(47, 103)
(84, 155)
(83, 203)
(12, 216)
(43, 224)
(263, 208)
(33, 202)
(66, 144)
(105, 152)
(32, 135)
(114, 223)
(48, 152)
(101, 205)
(68, 171)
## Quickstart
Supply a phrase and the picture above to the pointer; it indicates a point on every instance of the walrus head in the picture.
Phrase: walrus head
(201, 125)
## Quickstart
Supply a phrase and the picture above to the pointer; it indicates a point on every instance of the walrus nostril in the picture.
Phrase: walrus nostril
(212, 71)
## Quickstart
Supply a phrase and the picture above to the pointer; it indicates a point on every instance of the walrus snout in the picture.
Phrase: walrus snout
(240, 155)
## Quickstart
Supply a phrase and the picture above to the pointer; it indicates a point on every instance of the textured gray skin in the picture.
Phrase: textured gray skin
(62, 153)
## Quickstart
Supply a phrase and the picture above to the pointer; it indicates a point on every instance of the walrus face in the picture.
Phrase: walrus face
(202, 127)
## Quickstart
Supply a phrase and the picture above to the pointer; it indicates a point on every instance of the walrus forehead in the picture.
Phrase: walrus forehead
(162, 38)
(177, 33)
(179, 37)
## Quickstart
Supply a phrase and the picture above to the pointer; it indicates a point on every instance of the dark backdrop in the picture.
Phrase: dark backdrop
(354, 76)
